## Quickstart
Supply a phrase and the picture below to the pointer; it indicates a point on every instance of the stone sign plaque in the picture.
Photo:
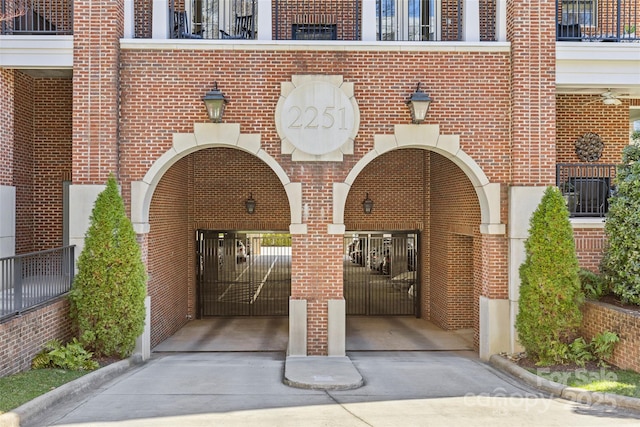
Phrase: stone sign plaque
(317, 118)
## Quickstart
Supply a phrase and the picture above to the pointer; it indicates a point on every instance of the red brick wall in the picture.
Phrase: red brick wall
(143, 17)
(590, 244)
(22, 337)
(383, 81)
(222, 180)
(455, 250)
(532, 36)
(42, 159)
(168, 255)
(579, 114)
(52, 158)
(6, 126)
(339, 12)
(396, 183)
(599, 317)
(98, 27)
(23, 161)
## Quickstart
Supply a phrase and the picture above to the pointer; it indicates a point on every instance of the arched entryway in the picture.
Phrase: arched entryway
(202, 183)
(456, 210)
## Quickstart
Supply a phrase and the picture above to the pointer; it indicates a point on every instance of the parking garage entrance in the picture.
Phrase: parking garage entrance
(243, 273)
(381, 274)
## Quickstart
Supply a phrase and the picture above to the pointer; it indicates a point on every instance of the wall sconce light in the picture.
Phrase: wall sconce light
(215, 101)
(367, 205)
(250, 204)
(419, 105)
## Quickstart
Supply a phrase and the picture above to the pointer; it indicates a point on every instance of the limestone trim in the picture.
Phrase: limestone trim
(427, 137)
(328, 134)
(210, 135)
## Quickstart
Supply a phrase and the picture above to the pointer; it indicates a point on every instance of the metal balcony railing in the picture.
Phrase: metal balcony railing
(36, 17)
(597, 20)
(214, 19)
(586, 187)
(396, 20)
(32, 279)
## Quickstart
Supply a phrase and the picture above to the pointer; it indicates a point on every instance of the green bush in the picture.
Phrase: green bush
(592, 284)
(602, 345)
(550, 295)
(71, 356)
(580, 352)
(621, 261)
(107, 296)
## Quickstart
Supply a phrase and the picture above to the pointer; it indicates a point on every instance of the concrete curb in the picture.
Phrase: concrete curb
(92, 380)
(321, 373)
(556, 389)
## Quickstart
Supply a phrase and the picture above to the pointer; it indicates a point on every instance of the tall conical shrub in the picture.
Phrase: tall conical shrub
(107, 296)
(550, 296)
(621, 262)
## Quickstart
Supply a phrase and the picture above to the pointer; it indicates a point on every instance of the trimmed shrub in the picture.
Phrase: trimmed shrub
(621, 261)
(107, 296)
(550, 295)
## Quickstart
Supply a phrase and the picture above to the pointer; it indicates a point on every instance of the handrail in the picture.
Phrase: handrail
(36, 17)
(31, 279)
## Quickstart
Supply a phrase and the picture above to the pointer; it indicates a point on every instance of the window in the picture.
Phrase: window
(579, 12)
(405, 19)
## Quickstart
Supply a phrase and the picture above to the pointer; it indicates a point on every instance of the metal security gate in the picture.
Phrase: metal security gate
(243, 274)
(381, 274)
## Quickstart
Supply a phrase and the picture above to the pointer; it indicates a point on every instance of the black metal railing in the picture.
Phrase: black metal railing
(34, 278)
(586, 187)
(413, 20)
(36, 17)
(597, 20)
(214, 19)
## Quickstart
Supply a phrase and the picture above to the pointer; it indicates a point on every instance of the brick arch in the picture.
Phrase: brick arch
(209, 135)
(426, 137)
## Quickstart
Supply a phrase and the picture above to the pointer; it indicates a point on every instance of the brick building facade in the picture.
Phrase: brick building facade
(125, 97)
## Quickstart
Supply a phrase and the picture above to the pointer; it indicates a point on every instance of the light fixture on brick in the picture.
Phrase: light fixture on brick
(250, 204)
(215, 101)
(367, 204)
(419, 105)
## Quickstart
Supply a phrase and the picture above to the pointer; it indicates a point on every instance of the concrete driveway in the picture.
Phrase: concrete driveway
(408, 388)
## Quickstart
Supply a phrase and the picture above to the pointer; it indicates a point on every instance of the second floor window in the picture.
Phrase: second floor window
(411, 20)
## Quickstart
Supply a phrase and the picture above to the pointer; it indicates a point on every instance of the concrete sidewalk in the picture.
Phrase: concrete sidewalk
(249, 389)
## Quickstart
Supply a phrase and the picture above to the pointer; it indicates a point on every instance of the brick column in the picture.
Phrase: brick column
(98, 27)
(7, 188)
(531, 31)
(316, 264)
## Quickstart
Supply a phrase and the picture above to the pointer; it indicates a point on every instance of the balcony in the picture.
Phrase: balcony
(395, 20)
(586, 187)
(386, 20)
(597, 20)
(36, 17)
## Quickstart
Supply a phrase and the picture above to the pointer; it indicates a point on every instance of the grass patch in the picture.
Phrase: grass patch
(22, 387)
(620, 382)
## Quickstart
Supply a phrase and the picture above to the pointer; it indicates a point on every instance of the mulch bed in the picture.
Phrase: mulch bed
(615, 301)
(569, 367)
(104, 361)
